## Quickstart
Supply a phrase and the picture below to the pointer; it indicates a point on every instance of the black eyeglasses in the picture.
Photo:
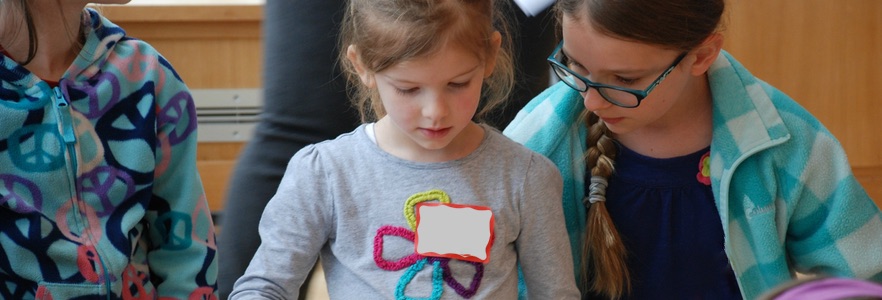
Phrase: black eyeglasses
(617, 95)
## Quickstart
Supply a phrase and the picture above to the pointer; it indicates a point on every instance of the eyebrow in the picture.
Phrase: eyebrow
(632, 71)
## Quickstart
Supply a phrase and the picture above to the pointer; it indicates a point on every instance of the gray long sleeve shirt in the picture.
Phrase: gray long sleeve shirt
(337, 195)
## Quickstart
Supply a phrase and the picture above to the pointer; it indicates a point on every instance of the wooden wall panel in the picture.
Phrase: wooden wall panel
(210, 46)
(826, 55)
(216, 162)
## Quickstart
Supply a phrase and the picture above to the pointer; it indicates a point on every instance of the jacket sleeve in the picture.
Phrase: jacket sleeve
(834, 223)
(183, 254)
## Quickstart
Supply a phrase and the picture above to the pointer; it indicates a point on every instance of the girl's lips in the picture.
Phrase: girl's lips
(611, 121)
(435, 133)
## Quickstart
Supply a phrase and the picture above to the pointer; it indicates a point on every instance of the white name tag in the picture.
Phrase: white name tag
(456, 231)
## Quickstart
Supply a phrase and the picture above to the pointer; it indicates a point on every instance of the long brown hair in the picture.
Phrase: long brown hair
(387, 32)
(676, 24)
(27, 16)
(28, 20)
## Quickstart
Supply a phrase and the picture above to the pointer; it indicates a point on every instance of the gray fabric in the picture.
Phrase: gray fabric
(336, 194)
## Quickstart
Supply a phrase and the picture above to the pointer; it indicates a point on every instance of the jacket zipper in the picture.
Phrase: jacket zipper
(66, 128)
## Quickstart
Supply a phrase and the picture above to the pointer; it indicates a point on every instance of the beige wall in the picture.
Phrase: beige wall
(827, 55)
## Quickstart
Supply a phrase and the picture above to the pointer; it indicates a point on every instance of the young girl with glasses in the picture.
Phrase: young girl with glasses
(684, 175)
(370, 202)
(99, 192)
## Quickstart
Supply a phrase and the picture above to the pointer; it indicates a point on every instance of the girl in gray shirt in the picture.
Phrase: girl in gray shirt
(398, 207)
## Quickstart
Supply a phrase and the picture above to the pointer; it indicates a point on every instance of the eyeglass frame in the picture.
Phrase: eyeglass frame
(639, 94)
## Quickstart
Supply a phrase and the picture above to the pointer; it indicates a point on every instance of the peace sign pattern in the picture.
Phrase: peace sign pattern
(134, 122)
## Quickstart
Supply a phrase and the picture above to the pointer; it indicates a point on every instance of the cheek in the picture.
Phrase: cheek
(399, 107)
(471, 97)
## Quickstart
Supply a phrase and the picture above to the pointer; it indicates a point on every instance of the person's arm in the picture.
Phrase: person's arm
(295, 225)
(543, 245)
(834, 223)
(183, 254)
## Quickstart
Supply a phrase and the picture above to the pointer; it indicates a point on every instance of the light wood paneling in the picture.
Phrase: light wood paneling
(216, 162)
(210, 46)
(826, 55)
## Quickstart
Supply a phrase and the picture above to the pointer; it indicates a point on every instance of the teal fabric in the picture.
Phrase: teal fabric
(99, 191)
(787, 199)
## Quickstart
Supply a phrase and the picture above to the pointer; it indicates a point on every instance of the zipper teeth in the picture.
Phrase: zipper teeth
(66, 128)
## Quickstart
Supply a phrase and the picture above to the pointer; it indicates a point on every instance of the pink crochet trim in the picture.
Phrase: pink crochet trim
(378, 248)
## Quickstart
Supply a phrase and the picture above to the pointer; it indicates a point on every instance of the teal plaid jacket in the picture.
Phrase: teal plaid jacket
(786, 196)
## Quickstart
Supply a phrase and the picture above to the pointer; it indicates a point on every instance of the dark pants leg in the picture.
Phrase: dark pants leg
(304, 102)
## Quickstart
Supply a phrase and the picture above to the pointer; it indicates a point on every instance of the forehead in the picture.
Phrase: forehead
(446, 62)
(589, 46)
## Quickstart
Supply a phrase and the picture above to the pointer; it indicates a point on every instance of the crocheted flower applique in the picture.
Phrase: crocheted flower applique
(414, 263)
(703, 175)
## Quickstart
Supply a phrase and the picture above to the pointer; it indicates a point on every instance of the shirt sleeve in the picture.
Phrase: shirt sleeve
(295, 225)
(543, 244)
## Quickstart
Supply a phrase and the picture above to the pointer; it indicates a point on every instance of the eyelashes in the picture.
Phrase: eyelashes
(619, 80)
(413, 91)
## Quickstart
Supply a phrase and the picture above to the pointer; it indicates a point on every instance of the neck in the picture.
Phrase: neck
(685, 129)
(57, 33)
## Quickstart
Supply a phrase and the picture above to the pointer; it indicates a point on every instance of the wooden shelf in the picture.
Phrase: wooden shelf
(184, 11)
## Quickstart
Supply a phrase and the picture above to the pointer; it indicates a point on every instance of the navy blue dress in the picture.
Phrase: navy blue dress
(665, 212)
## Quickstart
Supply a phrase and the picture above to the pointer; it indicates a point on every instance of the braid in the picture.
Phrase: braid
(602, 247)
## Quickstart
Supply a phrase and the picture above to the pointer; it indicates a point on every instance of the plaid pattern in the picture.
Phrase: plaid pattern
(787, 198)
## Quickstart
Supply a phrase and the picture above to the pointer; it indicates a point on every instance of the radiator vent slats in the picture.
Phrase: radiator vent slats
(227, 115)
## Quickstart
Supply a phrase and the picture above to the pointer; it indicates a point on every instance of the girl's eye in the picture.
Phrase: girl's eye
(406, 92)
(578, 68)
(459, 85)
(625, 81)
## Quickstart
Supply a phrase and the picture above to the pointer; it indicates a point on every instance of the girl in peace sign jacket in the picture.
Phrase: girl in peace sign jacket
(99, 192)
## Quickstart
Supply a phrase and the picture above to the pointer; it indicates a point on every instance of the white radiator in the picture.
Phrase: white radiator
(227, 115)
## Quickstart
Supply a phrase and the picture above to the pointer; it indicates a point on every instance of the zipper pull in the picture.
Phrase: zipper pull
(64, 118)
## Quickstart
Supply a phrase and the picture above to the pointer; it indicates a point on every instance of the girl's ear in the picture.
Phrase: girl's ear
(490, 61)
(366, 77)
(706, 53)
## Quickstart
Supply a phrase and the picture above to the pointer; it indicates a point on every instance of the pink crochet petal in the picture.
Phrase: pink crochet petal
(402, 263)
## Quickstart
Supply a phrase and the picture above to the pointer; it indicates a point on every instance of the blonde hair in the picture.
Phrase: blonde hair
(602, 250)
(387, 32)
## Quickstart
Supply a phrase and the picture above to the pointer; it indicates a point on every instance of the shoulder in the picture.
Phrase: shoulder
(342, 149)
(512, 153)
(546, 116)
(749, 113)
(120, 53)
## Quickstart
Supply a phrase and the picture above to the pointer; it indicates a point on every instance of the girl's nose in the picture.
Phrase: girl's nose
(594, 101)
(435, 107)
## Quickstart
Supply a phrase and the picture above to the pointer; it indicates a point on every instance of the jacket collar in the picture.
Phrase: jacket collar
(745, 118)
